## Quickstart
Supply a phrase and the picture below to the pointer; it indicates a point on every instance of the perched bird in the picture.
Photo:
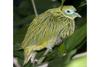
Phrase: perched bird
(47, 30)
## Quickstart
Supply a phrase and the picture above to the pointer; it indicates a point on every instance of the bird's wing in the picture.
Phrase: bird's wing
(42, 28)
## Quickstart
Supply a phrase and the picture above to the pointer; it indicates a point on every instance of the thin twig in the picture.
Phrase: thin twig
(34, 7)
(62, 2)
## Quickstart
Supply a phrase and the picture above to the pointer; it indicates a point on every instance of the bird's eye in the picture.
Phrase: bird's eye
(68, 12)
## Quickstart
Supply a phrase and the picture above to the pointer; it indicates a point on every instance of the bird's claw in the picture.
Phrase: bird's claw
(34, 61)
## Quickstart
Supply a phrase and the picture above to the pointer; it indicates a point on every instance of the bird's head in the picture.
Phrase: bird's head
(69, 11)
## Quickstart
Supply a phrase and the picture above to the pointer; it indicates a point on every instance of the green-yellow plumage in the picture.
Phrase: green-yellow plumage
(49, 29)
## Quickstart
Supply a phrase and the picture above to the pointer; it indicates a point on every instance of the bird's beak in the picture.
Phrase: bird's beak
(78, 15)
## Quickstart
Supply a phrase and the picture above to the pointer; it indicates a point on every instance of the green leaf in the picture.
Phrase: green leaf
(75, 40)
(62, 61)
(78, 62)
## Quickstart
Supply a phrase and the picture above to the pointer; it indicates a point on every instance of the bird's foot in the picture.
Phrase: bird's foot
(34, 61)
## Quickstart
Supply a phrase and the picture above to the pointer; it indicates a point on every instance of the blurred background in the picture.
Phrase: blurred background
(24, 14)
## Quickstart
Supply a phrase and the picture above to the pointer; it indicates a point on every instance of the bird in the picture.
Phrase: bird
(47, 30)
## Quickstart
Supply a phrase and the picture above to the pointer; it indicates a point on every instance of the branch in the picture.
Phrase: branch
(34, 7)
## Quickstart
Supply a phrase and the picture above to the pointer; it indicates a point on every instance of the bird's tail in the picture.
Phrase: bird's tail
(28, 54)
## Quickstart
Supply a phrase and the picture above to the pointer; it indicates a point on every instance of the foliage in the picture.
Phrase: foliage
(61, 55)
(78, 62)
